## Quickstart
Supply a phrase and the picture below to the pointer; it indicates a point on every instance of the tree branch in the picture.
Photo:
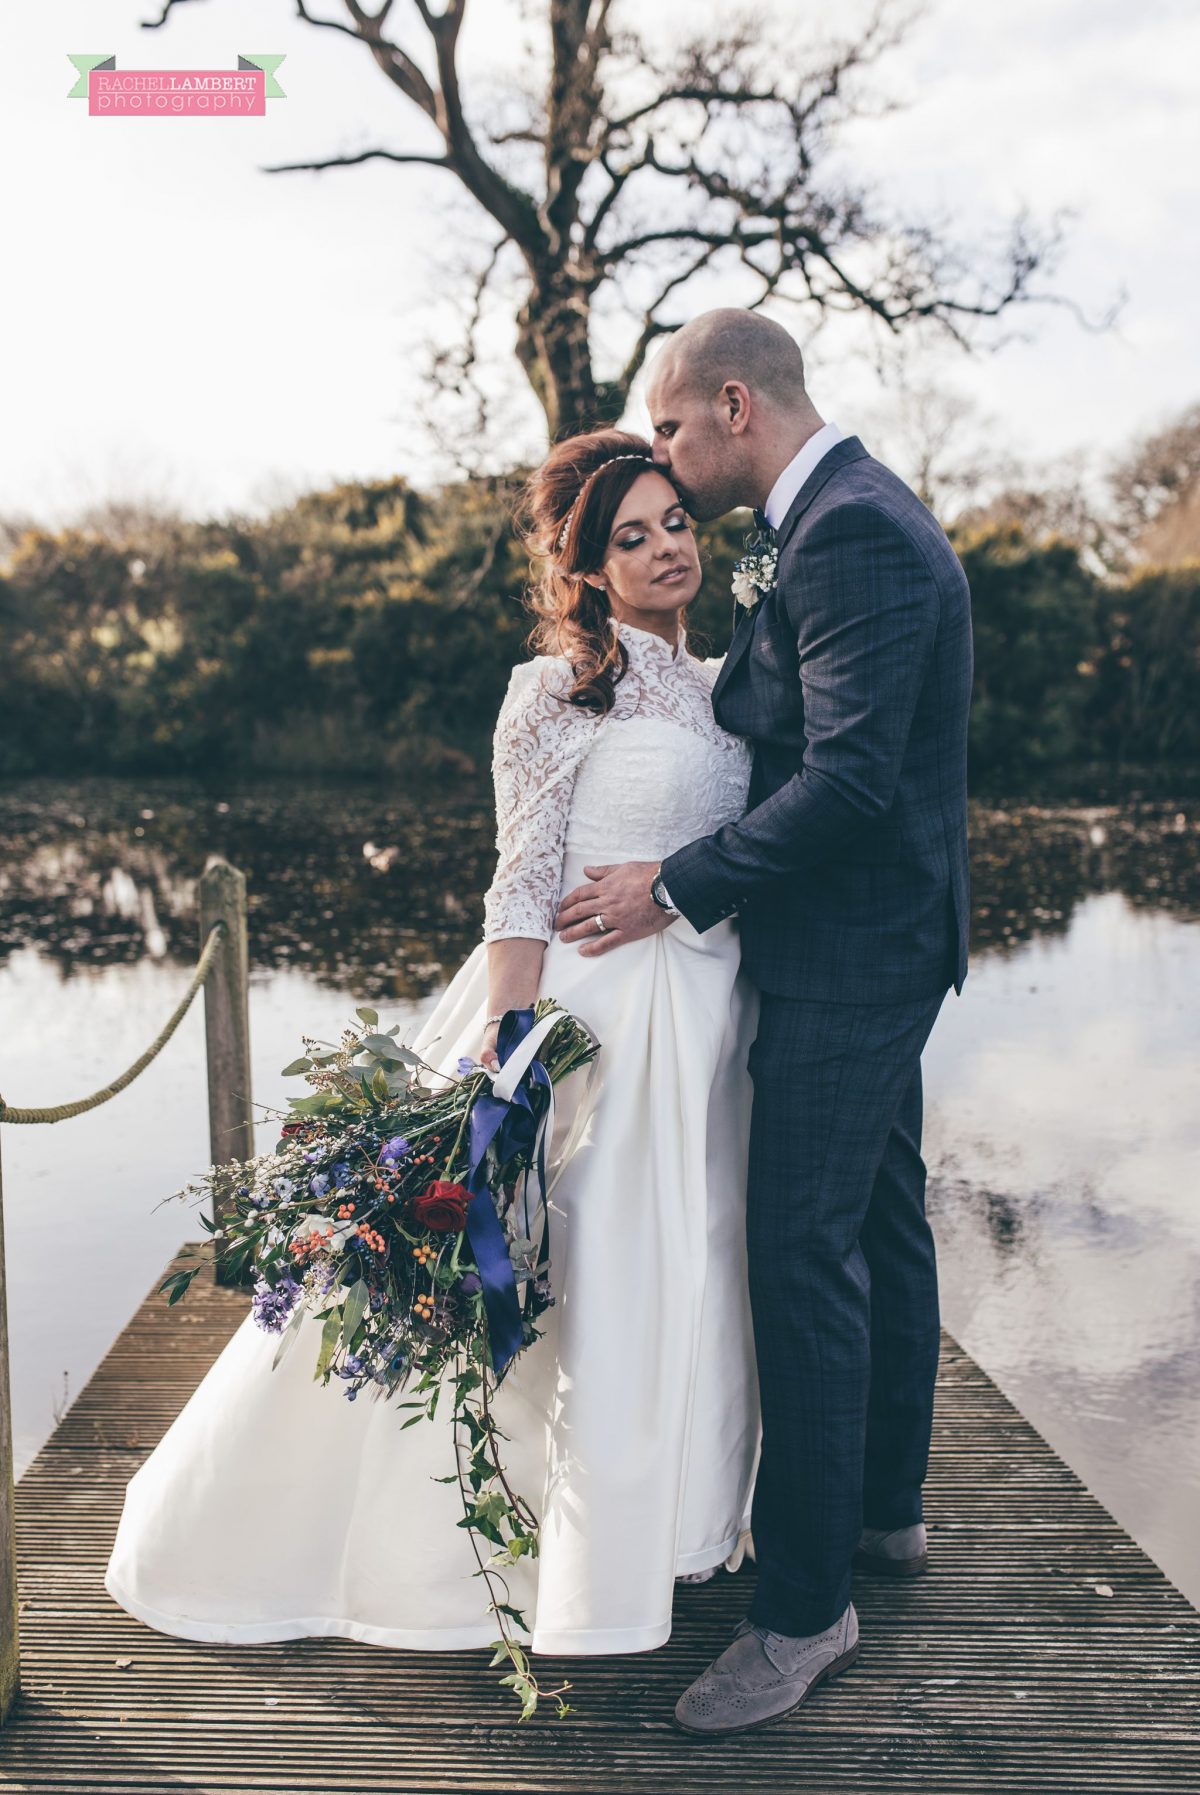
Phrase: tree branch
(512, 209)
(284, 168)
(652, 326)
(153, 24)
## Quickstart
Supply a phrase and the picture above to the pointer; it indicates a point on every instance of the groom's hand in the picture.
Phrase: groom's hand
(620, 895)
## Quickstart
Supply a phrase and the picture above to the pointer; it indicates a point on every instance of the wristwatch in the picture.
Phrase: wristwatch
(662, 896)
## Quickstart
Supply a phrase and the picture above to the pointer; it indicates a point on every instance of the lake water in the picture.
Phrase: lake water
(1062, 1126)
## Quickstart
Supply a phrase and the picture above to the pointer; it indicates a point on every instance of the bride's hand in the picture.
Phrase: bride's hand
(487, 1053)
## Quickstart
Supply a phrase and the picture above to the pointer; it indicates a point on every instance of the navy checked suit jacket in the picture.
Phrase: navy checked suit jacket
(852, 678)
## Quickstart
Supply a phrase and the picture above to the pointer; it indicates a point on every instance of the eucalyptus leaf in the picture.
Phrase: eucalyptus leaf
(301, 1065)
(316, 1105)
(370, 1017)
(330, 1334)
(354, 1308)
(384, 1048)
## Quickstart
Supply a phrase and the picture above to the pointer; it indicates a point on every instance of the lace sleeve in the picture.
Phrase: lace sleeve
(538, 745)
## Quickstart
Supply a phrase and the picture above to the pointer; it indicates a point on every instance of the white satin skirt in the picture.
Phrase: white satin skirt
(273, 1508)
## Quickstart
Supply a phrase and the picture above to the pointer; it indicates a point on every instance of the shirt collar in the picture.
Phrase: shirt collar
(797, 471)
(645, 649)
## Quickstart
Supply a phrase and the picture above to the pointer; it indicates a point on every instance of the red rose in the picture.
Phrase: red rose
(442, 1207)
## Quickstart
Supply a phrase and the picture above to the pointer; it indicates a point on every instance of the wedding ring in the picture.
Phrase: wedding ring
(601, 925)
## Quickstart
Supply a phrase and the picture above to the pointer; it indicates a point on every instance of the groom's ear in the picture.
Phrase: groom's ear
(735, 405)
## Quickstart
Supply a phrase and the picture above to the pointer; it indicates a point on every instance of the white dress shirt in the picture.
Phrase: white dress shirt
(784, 491)
(797, 471)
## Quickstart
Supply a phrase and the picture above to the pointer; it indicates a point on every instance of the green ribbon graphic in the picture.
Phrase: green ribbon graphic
(268, 65)
(107, 60)
(84, 66)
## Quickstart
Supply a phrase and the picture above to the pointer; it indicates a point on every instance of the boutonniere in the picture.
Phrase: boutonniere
(754, 575)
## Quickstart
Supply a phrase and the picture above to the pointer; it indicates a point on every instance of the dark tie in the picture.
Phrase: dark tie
(762, 536)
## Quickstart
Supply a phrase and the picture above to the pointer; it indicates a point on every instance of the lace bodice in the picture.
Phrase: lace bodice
(654, 773)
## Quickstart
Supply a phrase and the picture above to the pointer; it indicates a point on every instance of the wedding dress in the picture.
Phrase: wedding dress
(274, 1509)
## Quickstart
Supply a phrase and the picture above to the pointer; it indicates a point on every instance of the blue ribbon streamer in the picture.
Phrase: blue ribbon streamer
(512, 1128)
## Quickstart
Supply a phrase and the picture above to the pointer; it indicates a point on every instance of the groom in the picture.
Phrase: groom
(848, 872)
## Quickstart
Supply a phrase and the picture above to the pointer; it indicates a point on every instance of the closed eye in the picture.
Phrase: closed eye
(674, 527)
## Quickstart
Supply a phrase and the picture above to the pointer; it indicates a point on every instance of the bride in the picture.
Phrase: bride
(270, 1510)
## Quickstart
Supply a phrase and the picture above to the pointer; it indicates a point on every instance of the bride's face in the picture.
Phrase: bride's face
(651, 563)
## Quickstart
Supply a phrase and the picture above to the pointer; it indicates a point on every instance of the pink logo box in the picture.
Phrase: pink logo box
(185, 93)
(176, 93)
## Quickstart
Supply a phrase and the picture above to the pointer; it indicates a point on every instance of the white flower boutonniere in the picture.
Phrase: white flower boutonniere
(753, 575)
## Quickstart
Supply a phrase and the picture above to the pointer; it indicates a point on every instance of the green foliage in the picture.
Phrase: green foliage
(371, 629)
(1147, 702)
(1035, 619)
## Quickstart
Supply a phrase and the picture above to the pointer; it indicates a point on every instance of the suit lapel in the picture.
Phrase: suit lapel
(849, 449)
(841, 455)
(743, 630)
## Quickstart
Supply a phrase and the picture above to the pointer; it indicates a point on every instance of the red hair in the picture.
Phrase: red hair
(580, 485)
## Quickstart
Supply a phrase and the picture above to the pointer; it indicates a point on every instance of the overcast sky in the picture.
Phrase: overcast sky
(177, 323)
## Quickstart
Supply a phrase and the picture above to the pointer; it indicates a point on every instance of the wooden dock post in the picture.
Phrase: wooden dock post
(10, 1657)
(222, 898)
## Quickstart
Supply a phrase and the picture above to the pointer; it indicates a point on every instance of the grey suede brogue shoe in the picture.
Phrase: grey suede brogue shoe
(762, 1676)
(902, 1552)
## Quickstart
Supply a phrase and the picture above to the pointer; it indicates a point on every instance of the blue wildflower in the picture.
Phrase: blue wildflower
(469, 1283)
(318, 1184)
(393, 1150)
(341, 1173)
(284, 1188)
(272, 1307)
(466, 1063)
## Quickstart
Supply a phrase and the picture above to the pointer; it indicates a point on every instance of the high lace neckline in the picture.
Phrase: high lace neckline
(645, 649)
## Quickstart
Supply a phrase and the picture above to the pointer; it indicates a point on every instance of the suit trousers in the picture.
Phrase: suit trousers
(843, 1288)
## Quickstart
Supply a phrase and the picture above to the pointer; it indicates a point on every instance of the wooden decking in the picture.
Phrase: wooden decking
(1005, 1669)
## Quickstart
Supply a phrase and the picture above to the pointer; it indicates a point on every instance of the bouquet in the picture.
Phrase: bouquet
(408, 1210)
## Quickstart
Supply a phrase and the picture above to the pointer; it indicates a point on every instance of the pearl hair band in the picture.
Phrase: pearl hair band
(566, 522)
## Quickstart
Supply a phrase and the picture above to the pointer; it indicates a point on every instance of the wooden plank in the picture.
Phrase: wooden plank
(1002, 1670)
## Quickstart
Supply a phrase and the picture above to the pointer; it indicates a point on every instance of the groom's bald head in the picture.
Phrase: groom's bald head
(729, 407)
(732, 344)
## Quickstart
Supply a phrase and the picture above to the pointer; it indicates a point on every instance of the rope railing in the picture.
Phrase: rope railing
(60, 1112)
(224, 971)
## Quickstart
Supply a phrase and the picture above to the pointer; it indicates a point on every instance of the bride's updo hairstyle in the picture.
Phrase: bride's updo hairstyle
(567, 513)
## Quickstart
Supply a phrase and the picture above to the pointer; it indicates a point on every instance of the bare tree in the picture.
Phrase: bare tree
(1052, 502)
(1156, 490)
(627, 175)
(948, 449)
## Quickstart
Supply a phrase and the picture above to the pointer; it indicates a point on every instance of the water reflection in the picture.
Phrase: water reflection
(365, 888)
(1063, 1140)
(382, 890)
(1062, 1127)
